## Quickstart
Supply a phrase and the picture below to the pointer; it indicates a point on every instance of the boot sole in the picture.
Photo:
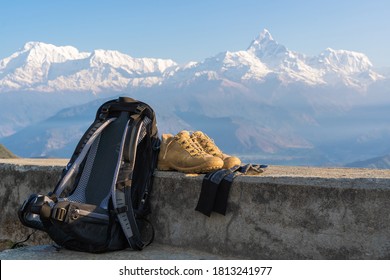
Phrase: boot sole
(198, 169)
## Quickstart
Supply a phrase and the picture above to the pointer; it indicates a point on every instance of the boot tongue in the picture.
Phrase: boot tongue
(184, 138)
(209, 144)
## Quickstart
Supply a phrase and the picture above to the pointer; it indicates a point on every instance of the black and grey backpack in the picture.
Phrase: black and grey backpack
(102, 198)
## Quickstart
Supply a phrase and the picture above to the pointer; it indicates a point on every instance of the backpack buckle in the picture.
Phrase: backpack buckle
(120, 210)
(59, 214)
(140, 108)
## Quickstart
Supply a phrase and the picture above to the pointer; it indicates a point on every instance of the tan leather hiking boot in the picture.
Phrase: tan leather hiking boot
(209, 147)
(181, 153)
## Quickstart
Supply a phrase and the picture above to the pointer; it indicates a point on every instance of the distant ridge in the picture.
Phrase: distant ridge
(5, 153)
(382, 162)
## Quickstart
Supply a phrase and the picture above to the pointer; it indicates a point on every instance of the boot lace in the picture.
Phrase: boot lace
(193, 148)
(208, 144)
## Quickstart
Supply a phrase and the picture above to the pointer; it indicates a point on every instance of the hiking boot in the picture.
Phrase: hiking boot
(209, 147)
(181, 153)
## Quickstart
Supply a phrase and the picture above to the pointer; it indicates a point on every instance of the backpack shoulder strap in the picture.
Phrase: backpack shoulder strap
(210, 187)
(121, 193)
(216, 185)
(78, 158)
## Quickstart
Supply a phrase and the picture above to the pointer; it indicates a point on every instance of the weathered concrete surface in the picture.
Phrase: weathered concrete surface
(19, 178)
(282, 216)
(284, 213)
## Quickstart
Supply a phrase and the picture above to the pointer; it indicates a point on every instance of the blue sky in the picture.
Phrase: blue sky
(194, 30)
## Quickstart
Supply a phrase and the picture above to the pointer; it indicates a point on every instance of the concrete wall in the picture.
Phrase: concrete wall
(19, 179)
(284, 213)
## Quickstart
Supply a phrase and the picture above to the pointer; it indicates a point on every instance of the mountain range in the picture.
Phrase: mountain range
(265, 103)
(382, 162)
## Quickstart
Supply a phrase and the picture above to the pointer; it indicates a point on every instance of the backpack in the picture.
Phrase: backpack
(101, 201)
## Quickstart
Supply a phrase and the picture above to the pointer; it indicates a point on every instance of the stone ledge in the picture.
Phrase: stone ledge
(273, 172)
(284, 213)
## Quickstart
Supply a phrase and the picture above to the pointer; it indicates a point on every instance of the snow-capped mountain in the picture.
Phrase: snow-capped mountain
(265, 58)
(265, 102)
(47, 68)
